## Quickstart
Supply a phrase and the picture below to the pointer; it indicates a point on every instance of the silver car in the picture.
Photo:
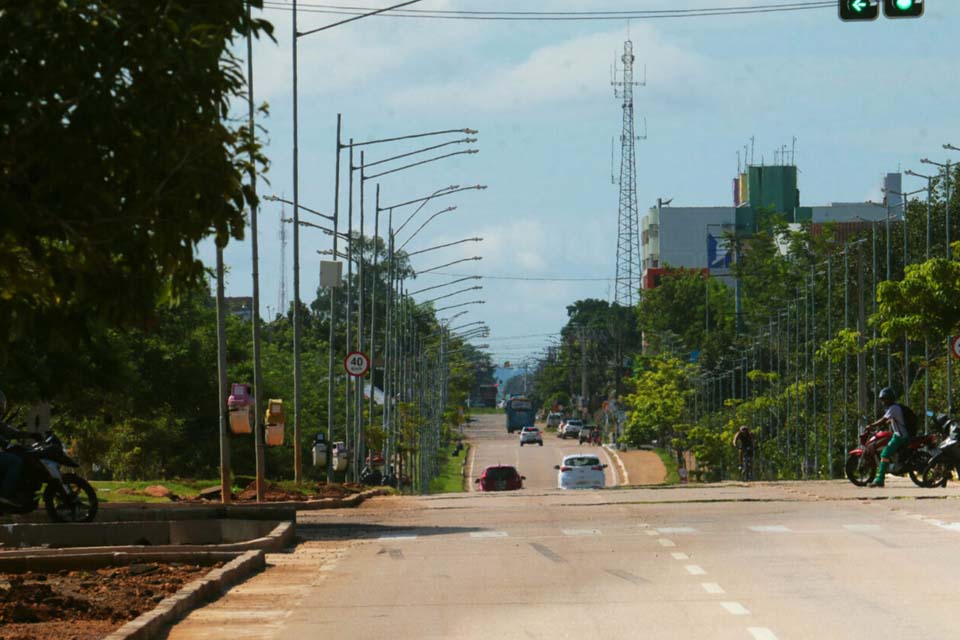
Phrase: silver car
(580, 472)
(530, 435)
(571, 428)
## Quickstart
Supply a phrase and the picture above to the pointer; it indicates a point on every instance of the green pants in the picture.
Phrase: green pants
(895, 443)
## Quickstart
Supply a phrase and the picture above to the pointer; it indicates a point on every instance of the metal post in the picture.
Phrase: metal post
(331, 376)
(846, 357)
(813, 367)
(296, 268)
(349, 381)
(373, 308)
(225, 481)
(949, 255)
(359, 454)
(889, 277)
(830, 368)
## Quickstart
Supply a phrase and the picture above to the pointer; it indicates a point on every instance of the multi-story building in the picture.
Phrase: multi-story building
(693, 237)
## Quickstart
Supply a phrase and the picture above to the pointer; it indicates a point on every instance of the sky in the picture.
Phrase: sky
(861, 100)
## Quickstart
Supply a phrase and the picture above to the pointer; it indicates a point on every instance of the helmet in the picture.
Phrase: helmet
(887, 394)
(743, 427)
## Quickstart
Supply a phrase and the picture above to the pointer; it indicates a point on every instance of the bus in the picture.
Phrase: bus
(519, 413)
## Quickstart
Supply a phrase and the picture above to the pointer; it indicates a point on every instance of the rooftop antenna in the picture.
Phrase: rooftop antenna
(753, 157)
(793, 152)
(738, 162)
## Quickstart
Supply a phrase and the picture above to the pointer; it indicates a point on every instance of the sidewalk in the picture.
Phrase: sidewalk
(643, 467)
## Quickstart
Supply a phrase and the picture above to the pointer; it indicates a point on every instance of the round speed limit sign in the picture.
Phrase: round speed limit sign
(955, 346)
(356, 364)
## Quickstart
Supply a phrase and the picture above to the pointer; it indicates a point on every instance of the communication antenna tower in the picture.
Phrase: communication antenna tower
(282, 294)
(628, 228)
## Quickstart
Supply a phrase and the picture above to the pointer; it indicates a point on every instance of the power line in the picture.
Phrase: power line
(549, 16)
(526, 278)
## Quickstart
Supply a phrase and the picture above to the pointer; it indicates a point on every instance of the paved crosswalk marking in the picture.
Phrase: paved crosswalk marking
(652, 532)
(393, 537)
(488, 534)
(735, 608)
(679, 555)
(712, 587)
(581, 532)
(775, 528)
(695, 570)
(761, 633)
(664, 542)
(677, 530)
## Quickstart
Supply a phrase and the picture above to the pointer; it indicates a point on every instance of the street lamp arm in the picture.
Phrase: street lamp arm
(464, 326)
(300, 34)
(950, 147)
(443, 246)
(367, 165)
(437, 194)
(414, 234)
(449, 264)
(454, 317)
(450, 295)
(417, 164)
(466, 130)
(327, 231)
(462, 304)
(445, 284)
(307, 209)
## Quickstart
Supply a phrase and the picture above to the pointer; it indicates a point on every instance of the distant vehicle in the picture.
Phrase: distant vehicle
(530, 435)
(500, 478)
(571, 428)
(590, 435)
(520, 413)
(485, 395)
(580, 472)
(554, 419)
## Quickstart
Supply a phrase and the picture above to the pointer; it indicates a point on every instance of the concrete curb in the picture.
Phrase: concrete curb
(281, 537)
(623, 469)
(151, 624)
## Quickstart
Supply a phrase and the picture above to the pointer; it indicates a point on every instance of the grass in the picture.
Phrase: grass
(450, 479)
(107, 489)
(670, 462)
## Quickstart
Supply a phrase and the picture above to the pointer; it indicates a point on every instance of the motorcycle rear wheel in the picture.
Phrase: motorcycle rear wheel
(860, 474)
(935, 476)
(80, 506)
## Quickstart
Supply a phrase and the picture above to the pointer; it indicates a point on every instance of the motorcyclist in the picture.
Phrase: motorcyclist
(894, 417)
(743, 441)
(10, 465)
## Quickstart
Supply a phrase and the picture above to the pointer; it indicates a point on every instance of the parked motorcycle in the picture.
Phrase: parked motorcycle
(911, 460)
(66, 496)
(946, 458)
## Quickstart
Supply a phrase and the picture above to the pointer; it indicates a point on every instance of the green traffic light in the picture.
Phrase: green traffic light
(904, 5)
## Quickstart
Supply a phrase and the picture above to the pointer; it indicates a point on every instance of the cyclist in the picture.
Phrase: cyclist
(743, 441)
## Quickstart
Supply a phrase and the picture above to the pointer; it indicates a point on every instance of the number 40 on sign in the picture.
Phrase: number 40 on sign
(356, 364)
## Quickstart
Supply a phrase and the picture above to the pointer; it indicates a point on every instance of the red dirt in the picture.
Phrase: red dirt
(85, 605)
(274, 493)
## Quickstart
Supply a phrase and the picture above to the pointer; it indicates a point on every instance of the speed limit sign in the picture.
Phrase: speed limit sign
(356, 364)
(955, 346)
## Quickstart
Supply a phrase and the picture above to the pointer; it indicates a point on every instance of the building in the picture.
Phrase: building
(241, 306)
(694, 237)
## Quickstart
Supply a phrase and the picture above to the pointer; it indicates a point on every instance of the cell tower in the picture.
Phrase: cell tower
(282, 294)
(628, 234)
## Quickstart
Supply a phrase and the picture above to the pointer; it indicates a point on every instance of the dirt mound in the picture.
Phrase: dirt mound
(85, 604)
(271, 493)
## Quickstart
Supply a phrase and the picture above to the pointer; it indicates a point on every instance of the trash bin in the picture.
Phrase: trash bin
(275, 422)
(341, 457)
(240, 408)
(319, 451)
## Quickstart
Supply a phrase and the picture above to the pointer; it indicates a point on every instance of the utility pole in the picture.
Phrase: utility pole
(225, 481)
(259, 458)
(584, 402)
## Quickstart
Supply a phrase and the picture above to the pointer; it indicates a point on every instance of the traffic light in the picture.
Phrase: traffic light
(903, 8)
(853, 10)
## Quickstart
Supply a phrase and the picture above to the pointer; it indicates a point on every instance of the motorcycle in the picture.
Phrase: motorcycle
(911, 460)
(66, 496)
(946, 458)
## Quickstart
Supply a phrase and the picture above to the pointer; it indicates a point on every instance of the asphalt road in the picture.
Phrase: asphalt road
(491, 444)
(815, 560)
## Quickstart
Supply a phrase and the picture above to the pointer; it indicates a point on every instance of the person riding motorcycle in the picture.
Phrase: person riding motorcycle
(10, 465)
(893, 416)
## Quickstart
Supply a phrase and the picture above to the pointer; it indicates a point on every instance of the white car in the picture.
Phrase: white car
(571, 428)
(580, 472)
(530, 435)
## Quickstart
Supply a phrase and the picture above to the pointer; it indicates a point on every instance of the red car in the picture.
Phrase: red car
(500, 478)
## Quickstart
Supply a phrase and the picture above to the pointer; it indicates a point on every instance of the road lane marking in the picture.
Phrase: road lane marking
(580, 532)
(677, 530)
(393, 537)
(664, 542)
(712, 587)
(862, 527)
(679, 555)
(652, 532)
(775, 528)
(761, 633)
(488, 534)
(695, 570)
(735, 608)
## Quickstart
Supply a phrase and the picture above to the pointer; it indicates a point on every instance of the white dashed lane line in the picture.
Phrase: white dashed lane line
(679, 555)
(664, 542)
(488, 534)
(695, 570)
(712, 587)
(652, 532)
(735, 608)
(761, 633)
(776, 528)
(676, 530)
(396, 536)
(581, 532)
